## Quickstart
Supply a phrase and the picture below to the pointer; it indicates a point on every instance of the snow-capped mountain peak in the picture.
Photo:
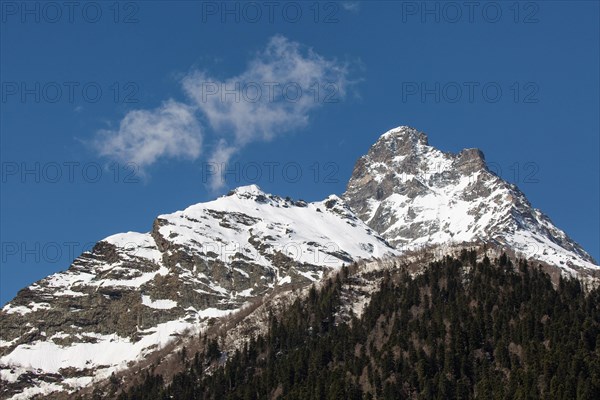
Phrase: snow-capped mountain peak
(253, 190)
(134, 291)
(406, 133)
(416, 195)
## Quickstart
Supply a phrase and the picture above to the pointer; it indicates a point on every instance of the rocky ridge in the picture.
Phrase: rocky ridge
(135, 292)
(416, 195)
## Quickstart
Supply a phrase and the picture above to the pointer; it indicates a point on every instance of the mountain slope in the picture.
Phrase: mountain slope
(459, 329)
(136, 291)
(416, 195)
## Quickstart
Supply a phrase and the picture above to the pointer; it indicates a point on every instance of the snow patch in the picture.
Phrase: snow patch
(162, 304)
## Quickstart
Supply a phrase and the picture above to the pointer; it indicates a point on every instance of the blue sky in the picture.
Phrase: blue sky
(518, 80)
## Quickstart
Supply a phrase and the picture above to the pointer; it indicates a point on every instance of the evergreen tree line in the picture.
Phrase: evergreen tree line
(461, 329)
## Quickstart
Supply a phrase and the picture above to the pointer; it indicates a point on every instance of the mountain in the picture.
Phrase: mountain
(222, 268)
(135, 292)
(415, 195)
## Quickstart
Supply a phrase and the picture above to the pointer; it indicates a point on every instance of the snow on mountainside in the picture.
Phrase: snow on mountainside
(415, 195)
(134, 292)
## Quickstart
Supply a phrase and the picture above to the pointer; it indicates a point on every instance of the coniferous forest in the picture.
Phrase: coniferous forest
(461, 329)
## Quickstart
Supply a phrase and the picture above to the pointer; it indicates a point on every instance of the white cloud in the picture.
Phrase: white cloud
(144, 136)
(220, 156)
(274, 95)
(281, 86)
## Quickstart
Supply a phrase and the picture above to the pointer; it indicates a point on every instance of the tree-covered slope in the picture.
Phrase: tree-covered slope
(460, 329)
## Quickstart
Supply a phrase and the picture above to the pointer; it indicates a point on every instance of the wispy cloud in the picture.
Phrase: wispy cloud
(276, 93)
(352, 6)
(170, 131)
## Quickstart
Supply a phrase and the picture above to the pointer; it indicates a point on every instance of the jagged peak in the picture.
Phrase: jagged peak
(406, 132)
(406, 140)
(248, 189)
(472, 154)
(413, 192)
(472, 159)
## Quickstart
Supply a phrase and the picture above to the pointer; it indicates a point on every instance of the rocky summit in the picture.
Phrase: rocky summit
(416, 195)
(134, 293)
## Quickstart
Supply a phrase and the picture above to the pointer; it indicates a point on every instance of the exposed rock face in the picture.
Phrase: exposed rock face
(133, 291)
(414, 195)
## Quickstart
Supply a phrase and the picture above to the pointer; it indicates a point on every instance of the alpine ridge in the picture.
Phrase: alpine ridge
(416, 195)
(135, 293)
